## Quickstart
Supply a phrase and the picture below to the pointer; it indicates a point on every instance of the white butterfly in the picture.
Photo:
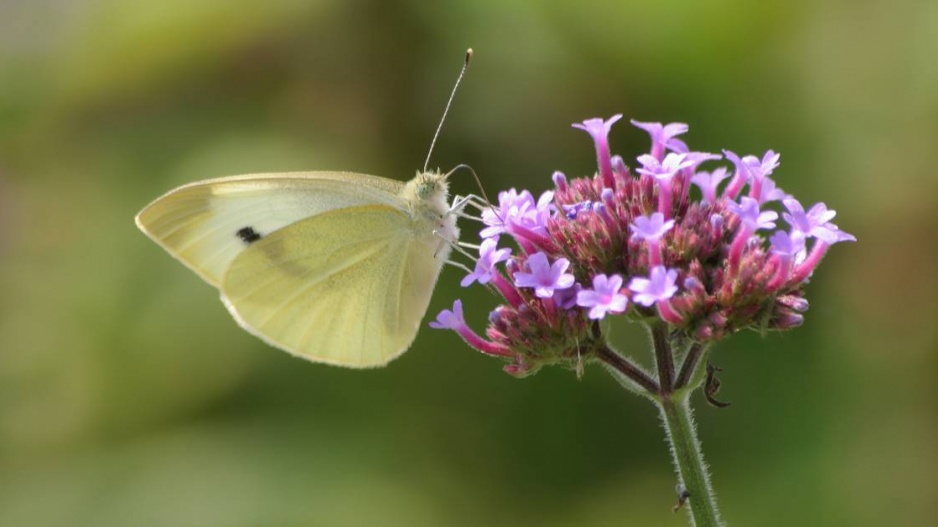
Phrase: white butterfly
(333, 267)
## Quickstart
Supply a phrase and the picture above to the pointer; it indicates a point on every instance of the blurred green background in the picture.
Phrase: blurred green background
(129, 397)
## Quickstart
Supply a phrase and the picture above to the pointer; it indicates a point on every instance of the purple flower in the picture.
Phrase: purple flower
(740, 176)
(535, 216)
(738, 272)
(599, 131)
(566, 298)
(761, 169)
(769, 192)
(815, 223)
(759, 172)
(660, 285)
(696, 158)
(511, 205)
(489, 255)
(650, 229)
(544, 277)
(454, 320)
(748, 211)
(598, 128)
(708, 183)
(448, 319)
(786, 249)
(662, 137)
(787, 245)
(603, 297)
(662, 170)
(519, 215)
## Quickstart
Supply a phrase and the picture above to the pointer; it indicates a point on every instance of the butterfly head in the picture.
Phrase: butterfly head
(431, 185)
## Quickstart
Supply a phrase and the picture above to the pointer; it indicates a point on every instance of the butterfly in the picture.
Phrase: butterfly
(333, 267)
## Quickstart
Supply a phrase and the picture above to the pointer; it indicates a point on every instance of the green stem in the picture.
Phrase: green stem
(664, 356)
(688, 459)
(627, 369)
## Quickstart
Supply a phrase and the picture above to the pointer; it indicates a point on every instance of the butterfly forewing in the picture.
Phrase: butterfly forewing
(345, 287)
(207, 224)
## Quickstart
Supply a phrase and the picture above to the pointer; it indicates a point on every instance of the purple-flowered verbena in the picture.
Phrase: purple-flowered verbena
(708, 261)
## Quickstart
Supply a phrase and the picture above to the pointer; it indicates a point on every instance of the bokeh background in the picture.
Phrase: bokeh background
(129, 397)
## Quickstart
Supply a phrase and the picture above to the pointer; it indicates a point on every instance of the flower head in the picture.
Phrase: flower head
(578, 244)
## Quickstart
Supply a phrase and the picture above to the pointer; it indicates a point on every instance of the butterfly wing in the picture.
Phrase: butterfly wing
(207, 224)
(346, 287)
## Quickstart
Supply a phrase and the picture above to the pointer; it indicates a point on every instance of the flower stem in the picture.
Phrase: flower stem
(689, 366)
(688, 459)
(664, 357)
(627, 369)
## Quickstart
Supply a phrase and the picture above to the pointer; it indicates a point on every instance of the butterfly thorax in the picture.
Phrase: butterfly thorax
(428, 195)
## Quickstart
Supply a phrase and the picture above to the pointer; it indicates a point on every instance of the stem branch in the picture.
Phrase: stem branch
(689, 365)
(664, 357)
(625, 367)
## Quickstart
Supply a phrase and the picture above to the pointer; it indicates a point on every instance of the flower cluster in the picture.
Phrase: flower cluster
(708, 261)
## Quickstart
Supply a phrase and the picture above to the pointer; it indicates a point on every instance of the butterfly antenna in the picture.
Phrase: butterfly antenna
(462, 72)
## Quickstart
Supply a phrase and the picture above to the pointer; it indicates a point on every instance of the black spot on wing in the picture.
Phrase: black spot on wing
(248, 235)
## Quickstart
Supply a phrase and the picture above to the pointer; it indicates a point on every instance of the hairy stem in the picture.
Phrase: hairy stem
(626, 368)
(688, 460)
(689, 366)
(664, 357)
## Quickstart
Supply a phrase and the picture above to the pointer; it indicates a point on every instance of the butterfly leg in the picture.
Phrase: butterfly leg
(461, 202)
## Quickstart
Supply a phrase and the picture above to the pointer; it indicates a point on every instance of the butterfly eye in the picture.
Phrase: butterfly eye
(426, 187)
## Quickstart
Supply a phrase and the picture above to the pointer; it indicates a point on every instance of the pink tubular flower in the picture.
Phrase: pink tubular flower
(708, 183)
(662, 136)
(489, 256)
(511, 205)
(544, 277)
(651, 230)
(788, 249)
(455, 321)
(751, 220)
(604, 297)
(760, 170)
(663, 172)
(599, 131)
(660, 285)
(814, 223)
(740, 175)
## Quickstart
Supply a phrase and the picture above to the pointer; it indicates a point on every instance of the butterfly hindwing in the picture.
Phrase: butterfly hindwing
(347, 286)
